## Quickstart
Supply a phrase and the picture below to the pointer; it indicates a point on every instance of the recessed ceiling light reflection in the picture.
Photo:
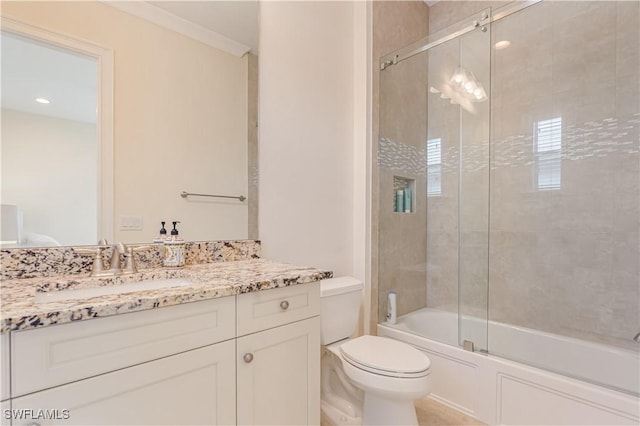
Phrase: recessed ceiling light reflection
(433, 90)
(42, 101)
(502, 44)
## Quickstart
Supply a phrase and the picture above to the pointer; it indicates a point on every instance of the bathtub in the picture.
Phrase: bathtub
(497, 390)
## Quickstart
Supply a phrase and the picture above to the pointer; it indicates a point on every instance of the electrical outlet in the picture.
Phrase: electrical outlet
(131, 223)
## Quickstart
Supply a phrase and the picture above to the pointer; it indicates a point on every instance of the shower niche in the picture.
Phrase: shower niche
(404, 190)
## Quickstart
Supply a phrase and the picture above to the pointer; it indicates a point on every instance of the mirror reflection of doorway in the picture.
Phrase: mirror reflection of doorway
(49, 152)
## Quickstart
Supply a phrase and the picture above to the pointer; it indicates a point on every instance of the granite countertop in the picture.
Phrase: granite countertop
(20, 310)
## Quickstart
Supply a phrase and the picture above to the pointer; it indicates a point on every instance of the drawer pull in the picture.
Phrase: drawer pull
(248, 358)
(284, 305)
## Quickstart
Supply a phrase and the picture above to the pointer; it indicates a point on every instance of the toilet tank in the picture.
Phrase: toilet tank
(339, 308)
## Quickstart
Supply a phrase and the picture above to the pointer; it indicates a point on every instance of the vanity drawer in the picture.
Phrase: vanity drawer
(271, 308)
(54, 355)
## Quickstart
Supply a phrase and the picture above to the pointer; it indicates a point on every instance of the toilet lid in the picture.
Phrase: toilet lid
(384, 356)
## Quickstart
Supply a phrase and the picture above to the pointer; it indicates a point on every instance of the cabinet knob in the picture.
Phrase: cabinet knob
(248, 357)
(284, 305)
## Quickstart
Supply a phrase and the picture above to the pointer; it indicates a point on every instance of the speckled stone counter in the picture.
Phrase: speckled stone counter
(53, 261)
(20, 310)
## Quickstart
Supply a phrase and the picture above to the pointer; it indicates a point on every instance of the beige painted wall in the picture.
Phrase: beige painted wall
(56, 200)
(180, 119)
(307, 107)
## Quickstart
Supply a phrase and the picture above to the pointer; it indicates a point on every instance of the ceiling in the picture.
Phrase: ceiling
(237, 20)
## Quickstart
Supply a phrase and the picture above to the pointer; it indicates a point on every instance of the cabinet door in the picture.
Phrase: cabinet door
(279, 375)
(4, 366)
(194, 387)
(5, 406)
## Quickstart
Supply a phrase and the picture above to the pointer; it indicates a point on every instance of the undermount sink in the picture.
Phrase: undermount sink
(87, 293)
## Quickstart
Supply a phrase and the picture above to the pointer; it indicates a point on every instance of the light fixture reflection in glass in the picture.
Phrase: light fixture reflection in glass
(502, 44)
(43, 101)
(465, 84)
(433, 90)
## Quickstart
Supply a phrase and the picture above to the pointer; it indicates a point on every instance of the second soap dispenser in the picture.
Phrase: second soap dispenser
(174, 249)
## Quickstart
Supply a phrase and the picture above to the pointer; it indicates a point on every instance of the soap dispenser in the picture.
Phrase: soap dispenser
(174, 249)
(162, 236)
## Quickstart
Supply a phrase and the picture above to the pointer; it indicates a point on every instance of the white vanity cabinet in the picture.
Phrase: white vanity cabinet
(4, 367)
(5, 403)
(173, 365)
(278, 352)
(195, 388)
(249, 359)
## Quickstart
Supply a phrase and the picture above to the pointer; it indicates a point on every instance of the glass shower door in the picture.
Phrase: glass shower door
(473, 209)
(457, 158)
(434, 145)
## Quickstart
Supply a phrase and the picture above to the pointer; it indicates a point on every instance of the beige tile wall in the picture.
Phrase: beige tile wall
(563, 261)
(567, 260)
(252, 154)
(399, 259)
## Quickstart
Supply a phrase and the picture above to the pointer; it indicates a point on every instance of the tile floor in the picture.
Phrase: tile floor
(432, 413)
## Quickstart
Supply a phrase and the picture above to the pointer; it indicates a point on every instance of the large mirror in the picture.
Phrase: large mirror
(111, 111)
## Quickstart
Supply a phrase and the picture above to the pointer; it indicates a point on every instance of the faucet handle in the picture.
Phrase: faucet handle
(97, 270)
(130, 262)
(120, 248)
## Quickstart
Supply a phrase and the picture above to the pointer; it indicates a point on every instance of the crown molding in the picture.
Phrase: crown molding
(148, 12)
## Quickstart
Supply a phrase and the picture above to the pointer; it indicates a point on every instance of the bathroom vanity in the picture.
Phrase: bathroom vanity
(239, 345)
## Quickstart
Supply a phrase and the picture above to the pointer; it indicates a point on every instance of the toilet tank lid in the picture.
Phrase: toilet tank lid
(340, 285)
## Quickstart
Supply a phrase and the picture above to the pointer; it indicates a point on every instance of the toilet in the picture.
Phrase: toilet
(368, 379)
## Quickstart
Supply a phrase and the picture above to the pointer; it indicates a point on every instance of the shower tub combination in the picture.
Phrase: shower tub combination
(497, 390)
(511, 136)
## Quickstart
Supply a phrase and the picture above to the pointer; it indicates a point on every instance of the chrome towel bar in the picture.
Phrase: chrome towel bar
(185, 194)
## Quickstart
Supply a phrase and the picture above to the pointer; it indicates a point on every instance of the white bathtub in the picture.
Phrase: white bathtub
(499, 391)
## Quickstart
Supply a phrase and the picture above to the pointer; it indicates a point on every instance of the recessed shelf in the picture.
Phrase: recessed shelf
(404, 190)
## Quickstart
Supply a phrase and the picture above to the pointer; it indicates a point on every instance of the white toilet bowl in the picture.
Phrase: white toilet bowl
(367, 380)
(392, 375)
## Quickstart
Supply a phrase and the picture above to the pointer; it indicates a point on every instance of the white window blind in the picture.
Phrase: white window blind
(434, 167)
(548, 153)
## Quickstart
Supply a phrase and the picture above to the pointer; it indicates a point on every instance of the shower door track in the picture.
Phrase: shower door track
(424, 44)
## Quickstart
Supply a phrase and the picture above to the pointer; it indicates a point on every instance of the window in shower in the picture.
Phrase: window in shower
(434, 167)
(548, 153)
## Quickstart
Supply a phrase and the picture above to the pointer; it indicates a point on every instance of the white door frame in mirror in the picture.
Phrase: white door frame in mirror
(104, 58)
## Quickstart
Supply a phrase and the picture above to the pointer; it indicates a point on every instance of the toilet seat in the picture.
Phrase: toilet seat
(385, 357)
